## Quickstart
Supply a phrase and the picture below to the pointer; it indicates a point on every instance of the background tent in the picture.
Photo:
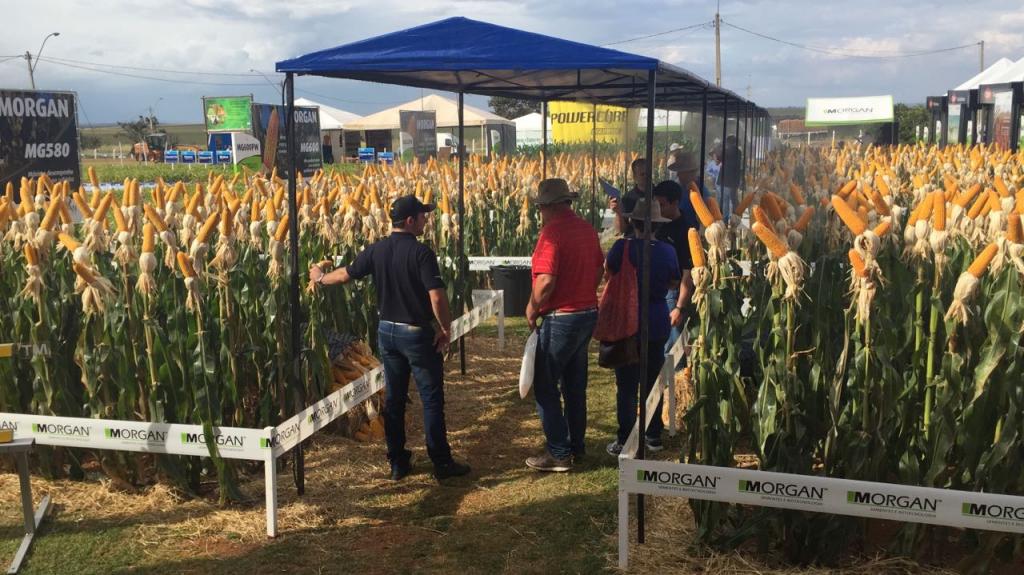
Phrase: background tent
(333, 123)
(530, 129)
(483, 130)
(986, 75)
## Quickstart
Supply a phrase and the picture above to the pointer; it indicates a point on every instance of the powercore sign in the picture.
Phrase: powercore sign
(840, 111)
(38, 135)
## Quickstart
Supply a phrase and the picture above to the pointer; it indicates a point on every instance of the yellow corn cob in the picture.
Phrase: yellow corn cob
(805, 219)
(226, 222)
(101, 210)
(879, 202)
(282, 229)
(851, 218)
(31, 255)
(92, 177)
(883, 228)
(204, 232)
(716, 212)
(771, 207)
(185, 264)
(776, 246)
(1014, 233)
(69, 243)
(122, 225)
(155, 218)
(148, 235)
(696, 249)
(797, 193)
(52, 213)
(938, 211)
(761, 216)
(748, 199)
(965, 198)
(1004, 192)
(859, 269)
(847, 188)
(703, 213)
(84, 272)
(982, 261)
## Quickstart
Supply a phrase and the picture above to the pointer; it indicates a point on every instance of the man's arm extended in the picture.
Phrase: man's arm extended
(338, 276)
(439, 303)
(543, 287)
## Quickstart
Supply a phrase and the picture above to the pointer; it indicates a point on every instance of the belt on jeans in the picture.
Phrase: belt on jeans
(557, 313)
(418, 326)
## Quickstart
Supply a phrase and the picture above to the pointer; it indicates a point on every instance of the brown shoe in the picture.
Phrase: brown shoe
(548, 462)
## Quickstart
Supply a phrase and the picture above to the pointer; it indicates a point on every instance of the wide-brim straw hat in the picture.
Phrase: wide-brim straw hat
(640, 212)
(683, 161)
(553, 191)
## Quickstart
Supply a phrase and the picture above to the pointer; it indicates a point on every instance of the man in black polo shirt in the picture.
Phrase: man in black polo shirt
(413, 333)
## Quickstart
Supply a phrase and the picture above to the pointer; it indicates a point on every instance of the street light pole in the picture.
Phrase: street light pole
(28, 59)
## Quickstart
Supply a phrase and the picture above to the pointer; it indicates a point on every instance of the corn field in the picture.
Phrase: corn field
(877, 336)
(169, 303)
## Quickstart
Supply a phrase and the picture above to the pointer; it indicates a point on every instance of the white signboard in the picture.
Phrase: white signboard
(838, 111)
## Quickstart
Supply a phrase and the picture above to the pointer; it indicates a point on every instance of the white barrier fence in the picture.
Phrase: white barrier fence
(947, 507)
(264, 445)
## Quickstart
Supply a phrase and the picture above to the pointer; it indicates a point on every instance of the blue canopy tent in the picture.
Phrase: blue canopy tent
(471, 57)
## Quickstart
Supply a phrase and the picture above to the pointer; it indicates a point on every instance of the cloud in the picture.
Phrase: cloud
(234, 36)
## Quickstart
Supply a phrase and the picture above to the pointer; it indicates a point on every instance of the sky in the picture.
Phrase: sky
(219, 42)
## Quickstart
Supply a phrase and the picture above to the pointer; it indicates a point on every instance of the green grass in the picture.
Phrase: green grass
(504, 518)
(115, 172)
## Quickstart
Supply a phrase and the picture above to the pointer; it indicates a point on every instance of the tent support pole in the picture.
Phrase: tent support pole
(544, 140)
(462, 281)
(703, 135)
(293, 289)
(645, 290)
(593, 168)
(746, 139)
(725, 134)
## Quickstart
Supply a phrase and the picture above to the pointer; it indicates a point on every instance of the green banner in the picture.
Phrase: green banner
(231, 114)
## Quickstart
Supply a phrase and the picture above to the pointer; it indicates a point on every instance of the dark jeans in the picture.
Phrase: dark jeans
(406, 350)
(561, 374)
(627, 380)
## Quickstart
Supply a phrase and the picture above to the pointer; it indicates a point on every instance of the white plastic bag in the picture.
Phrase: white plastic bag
(526, 370)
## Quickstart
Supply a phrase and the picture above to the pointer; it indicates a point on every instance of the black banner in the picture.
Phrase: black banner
(38, 135)
(270, 127)
(418, 134)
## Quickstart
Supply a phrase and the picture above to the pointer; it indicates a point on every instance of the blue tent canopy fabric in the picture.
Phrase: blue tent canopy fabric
(463, 55)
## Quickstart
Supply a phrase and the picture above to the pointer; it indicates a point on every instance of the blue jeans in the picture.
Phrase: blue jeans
(561, 374)
(627, 380)
(672, 298)
(409, 350)
(726, 201)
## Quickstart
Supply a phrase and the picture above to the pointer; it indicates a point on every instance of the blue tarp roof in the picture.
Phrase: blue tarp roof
(463, 55)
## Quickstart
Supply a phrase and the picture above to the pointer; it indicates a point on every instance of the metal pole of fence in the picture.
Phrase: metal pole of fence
(593, 171)
(295, 380)
(703, 136)
(463, 274)
(645, 290)
(544, 140)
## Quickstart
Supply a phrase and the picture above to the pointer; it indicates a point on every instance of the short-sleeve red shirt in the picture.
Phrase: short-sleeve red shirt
(569, 249)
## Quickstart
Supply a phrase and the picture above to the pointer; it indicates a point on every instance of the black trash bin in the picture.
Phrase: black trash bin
(516, 282)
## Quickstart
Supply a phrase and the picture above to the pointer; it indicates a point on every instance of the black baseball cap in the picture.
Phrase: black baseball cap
(408, 207)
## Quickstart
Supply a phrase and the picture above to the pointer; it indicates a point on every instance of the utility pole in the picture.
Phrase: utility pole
(982, 62)
(31, 76)
(718, 47)
(748, 87)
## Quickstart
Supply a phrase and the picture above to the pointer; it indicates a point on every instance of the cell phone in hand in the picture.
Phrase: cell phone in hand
(610, 190)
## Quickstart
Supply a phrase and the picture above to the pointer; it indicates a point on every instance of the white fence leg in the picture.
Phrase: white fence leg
(270, 472)
(668, 371)
(623, 528)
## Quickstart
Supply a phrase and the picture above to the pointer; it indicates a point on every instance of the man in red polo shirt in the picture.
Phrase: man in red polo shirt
(567, 268)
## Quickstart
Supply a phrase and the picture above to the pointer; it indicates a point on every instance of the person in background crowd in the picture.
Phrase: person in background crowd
(413, 332)
(567, 267)
(629, 199)
(687, 169)
(664, 276)
(713, 169)
(731, 177)
(674, 233)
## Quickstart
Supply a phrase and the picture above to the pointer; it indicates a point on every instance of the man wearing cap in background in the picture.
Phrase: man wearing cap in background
(629, 199)
(673, 202)
(567, 267)
(413, 331)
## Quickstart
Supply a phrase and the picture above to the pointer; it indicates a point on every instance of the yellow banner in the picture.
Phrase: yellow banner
(574, 122)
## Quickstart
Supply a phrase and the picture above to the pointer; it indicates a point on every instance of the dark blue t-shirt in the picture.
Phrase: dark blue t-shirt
(664, 275)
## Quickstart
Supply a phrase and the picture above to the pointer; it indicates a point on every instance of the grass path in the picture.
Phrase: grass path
(504, 517)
